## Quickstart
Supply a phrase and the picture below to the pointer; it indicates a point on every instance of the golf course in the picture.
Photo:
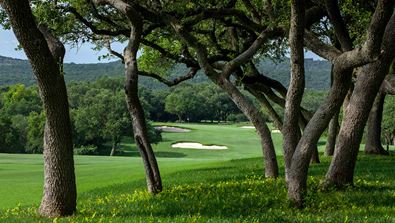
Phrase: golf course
(200, 185)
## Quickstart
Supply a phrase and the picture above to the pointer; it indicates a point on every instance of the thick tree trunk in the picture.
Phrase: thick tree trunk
(341, 170)
(257, 119)
(45, 54)
(291, 131)
(154, 181)
(59, 185)
(343, 67)
(373, 138)
(308, 142)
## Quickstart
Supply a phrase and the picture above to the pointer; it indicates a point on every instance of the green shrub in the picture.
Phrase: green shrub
(237, 118)
(86, 150)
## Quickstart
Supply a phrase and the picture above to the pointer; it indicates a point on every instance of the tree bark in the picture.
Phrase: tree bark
(343, 67)
(45, 54)
(291, 131)
(315, 157)
(373, 138)
(332, 135)
(222, 80)
(256, 118)
(341, 170)
(333, 130)
(154, 181)
(113, 149)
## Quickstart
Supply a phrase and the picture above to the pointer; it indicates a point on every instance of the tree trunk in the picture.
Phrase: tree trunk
(341, 170)
(154, 181)
(343, 67)
(113, 149)
(45, 54)
(269, 108)
(315, 157)
(291, 131)
(332, 135)
(257, 119)
(333, 129)
(373, 138)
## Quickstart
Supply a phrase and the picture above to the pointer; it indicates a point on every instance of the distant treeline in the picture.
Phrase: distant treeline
(99, 115)
(14, 71)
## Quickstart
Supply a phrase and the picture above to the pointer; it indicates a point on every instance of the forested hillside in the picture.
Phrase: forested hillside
(14, 71)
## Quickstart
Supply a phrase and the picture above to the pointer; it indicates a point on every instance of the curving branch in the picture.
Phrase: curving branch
(191, 74)
(320, 48)
(244, 57)
(107, 44)
(341, 32)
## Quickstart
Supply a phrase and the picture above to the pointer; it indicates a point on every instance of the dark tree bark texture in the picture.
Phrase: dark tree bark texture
(370, 78)
(291, 131)
(373, 137)
(45, 56)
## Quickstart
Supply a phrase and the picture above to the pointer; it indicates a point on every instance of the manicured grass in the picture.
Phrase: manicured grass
(200, 186)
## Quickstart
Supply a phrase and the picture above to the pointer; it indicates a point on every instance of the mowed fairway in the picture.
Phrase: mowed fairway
(200, 185)
(21, 175)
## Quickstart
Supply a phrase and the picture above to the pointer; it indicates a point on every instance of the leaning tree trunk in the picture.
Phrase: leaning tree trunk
(373, 137)
(154, 181)
(256, 118)
(343, 67)
(45, 54)
(113, 149)
(341, 170)
(333, 129)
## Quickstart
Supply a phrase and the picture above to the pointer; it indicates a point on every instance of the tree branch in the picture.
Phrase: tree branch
(191, 74)
(320, 48)
(338, 24)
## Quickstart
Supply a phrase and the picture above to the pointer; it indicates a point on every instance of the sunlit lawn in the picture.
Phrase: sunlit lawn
(200, 185)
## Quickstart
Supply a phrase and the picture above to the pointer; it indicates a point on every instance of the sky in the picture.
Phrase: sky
(82, 54)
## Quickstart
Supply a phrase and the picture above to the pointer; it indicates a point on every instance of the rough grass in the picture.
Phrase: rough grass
(217, 189)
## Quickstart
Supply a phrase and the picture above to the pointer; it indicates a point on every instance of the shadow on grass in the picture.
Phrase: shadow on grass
(157, 154)
(238, 189)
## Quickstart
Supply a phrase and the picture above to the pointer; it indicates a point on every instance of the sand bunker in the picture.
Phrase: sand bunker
(195, 145)
(252, 127)
(247, 127)
(171, 129)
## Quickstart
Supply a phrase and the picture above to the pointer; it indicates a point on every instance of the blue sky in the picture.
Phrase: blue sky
(82, 54)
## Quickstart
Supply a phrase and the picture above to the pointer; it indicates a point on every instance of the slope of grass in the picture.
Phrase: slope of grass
(200, 186)
(235, 191)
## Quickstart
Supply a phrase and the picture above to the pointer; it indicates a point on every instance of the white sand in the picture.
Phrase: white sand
(171, 129)
(252, 127)
(247, 127)
(195, 145)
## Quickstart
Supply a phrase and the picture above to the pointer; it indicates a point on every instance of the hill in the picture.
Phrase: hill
(14, 71)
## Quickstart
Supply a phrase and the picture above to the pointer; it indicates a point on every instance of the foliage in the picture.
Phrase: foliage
(9, 136)
(237, 118)
(98, 112)
(35, 134)
(185, 103)
(86, 150)
(388, 122)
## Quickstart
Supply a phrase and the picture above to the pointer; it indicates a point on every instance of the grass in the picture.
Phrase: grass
(200, 186)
